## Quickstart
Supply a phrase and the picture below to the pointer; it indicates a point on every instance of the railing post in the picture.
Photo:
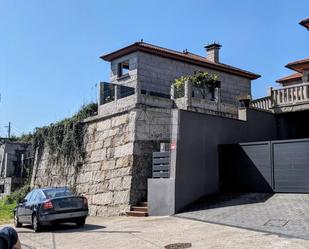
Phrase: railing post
(115, 92)
(294, 94)
(277, 97)
(188, 93)
(172, 91)
(280, 96)
(305, 92)
(100, 97)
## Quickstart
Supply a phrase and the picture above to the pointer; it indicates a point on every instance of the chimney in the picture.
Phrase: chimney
(213, 52)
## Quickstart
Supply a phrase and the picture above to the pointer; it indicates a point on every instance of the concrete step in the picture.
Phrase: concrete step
(143, 204)
(139, 208)
(137, 213)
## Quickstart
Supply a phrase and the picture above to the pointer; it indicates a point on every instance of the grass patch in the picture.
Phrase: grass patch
(6, 211)
(9, 202)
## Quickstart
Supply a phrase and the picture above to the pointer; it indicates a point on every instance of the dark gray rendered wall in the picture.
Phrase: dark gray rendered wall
(199, 135)
(246, 167)
(293, 125)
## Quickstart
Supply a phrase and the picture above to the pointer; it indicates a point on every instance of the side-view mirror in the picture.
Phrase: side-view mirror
(23, 200)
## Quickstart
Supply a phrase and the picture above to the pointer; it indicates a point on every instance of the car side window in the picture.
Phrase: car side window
(33, 196)
(40, 197)
(28, 196)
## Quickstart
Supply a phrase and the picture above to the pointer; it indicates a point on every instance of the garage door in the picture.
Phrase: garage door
(291, 166)
(279, 166)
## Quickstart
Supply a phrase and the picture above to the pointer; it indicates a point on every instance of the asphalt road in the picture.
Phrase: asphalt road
(152, 232)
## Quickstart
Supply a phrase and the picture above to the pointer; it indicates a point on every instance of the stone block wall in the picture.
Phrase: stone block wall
(129, 80)
(118, 161)
(156, 74)
(105, 176)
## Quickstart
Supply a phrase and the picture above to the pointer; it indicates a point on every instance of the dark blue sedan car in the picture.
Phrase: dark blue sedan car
(47, 206)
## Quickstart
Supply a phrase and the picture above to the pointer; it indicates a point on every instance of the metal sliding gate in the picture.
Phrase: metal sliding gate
(278, 166)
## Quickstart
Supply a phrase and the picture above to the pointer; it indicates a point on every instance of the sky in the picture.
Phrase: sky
(49, 50)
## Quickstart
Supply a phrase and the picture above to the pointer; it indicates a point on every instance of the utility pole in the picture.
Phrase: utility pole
(9, 129)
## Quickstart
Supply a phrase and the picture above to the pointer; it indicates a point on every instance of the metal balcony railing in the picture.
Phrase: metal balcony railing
(109, 92)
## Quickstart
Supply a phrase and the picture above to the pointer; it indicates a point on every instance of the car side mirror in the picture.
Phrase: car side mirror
(23, 200)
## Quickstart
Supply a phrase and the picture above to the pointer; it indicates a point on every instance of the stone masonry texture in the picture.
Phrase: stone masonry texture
(117, 164)
(156, 74)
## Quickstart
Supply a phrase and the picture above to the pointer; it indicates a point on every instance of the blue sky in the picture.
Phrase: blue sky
(49, 50)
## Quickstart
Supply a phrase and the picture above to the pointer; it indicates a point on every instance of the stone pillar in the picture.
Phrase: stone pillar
(100, 97)
(138, 92)
(270, 94)
(188, 94)
(5, 164)
(269, 91)
(242, 114)
(172, 91)
(116, 92)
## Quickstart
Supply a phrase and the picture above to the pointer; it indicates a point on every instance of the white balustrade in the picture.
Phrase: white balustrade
(263, 103)
(289, 95)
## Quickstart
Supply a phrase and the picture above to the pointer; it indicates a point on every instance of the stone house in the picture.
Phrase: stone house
(139, 109)
(134, 117)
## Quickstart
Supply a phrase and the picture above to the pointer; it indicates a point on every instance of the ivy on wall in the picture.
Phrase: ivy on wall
(64, 139)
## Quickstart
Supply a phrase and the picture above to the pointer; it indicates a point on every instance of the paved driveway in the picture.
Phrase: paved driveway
(152, 232)
(283, 214)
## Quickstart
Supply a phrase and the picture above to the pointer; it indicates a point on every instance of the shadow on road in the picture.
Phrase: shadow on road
(227, 200)
(71, 228)
(63, 228)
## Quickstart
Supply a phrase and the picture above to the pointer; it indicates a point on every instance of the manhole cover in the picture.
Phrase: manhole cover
(178, 245)
(276, 223)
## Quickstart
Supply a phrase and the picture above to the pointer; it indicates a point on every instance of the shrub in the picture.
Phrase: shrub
(17, 195)
(64, 139)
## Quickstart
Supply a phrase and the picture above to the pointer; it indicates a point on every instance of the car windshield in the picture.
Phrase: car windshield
(57, 192)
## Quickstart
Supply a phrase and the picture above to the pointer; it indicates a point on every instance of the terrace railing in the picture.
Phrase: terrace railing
(189, 98)
(283, 97)
(109, 92)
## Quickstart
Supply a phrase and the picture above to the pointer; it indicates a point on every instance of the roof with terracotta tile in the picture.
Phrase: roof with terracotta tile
(181, 56)
(299, 65)
(290, 78)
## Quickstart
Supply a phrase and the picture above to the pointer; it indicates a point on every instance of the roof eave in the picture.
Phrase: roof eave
(305, 23)
(135, 47)
(295, 67)
(120, 52)
(287, 81)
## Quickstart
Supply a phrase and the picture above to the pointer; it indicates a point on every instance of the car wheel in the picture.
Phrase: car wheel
(80, 222)
(16, 221)
(36, 223)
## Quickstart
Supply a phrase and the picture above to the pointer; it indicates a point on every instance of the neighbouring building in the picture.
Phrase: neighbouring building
(293, 94)
(15, 161)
